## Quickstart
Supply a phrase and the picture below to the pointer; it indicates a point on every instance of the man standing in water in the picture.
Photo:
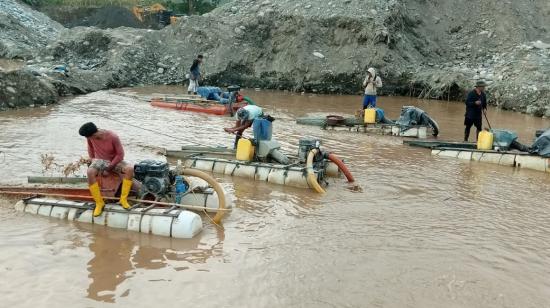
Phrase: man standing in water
(371, 83)
(194, 75)
(107, 155)
(476, 102)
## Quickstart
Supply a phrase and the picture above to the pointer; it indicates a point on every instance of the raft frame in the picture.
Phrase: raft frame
(518, 160)
(170, 222)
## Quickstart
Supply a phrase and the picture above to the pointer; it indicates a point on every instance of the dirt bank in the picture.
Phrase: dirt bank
(100, 17)
(421, 48)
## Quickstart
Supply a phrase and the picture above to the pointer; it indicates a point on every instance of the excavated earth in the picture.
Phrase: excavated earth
(428, 49)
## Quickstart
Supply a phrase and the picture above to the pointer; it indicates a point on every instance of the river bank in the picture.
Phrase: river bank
(313, 47)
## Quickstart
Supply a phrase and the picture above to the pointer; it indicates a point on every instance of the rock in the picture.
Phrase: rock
(541, 45)
(318, 55)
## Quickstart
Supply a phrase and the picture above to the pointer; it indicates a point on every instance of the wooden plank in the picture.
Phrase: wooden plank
(188, 154)
(433, 144)
(56, 180)
(487, 151)
(209, 149)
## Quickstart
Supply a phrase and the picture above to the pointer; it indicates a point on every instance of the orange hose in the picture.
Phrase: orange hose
(333, 158)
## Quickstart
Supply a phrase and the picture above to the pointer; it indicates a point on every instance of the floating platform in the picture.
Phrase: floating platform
(289, 175)
(520, 160)
(146, 216)
(171, 222)
(196, 105)
(222, 161)
(356, 126)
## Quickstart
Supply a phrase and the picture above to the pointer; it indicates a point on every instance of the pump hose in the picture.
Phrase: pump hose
(215, 185)
(249, 100)
(333, 158)
(311, 178)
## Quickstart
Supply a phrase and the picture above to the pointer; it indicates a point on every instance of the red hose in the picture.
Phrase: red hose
(333, 158)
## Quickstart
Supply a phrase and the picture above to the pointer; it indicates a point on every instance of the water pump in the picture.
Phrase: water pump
(155, 178)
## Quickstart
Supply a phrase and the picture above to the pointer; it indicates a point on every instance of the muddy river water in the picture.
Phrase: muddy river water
(423, 232)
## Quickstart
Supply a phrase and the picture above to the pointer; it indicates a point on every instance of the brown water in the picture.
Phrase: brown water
(425, 231)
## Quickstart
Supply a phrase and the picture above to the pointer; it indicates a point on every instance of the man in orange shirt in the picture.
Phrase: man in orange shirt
(107, 155)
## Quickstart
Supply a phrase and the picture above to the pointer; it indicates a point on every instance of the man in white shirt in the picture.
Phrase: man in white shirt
(371, 83)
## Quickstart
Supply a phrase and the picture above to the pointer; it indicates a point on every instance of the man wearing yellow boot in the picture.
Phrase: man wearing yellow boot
(107, 155)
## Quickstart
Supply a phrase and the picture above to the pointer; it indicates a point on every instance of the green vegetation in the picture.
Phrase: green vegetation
(178, 6)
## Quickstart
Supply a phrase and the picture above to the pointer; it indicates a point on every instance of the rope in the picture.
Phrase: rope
(212, 220)
(152, 131)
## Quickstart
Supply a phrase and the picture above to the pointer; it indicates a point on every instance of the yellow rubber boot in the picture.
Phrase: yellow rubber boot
(126, 186)
(99, 203)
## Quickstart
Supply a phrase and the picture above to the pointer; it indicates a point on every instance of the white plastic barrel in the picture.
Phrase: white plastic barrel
(229, 168)
(32, 208)
(86, 216)
(205, 165)
(134, 220)
(60, 212)
(101, 220)
(332, 170)
(296, 179)
(117, 220)
(145, 223)
(212, 201)
(277, 176)
(72, 214)
(262, 174)
(245, 171)
(219, 167)
(186, 225)
(161, 225)
(45, 210)
(532, 162)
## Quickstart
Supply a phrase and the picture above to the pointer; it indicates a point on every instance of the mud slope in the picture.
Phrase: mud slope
(433, 49)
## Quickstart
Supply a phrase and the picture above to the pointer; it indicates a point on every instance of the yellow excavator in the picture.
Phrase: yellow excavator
(156, 11)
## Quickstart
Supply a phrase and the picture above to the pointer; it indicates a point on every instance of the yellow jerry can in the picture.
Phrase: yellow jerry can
(370, 116)
(245, 150)
(485, 140)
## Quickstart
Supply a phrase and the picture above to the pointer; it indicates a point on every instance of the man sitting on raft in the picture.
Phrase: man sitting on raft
(245, 117)
(107, 156)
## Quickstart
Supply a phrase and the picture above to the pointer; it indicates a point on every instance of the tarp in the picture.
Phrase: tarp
(214, 94)
(381, 117)
(542, 145)
(413, 116)
(503, 138)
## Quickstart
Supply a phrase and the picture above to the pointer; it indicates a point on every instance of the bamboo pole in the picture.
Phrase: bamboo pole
(185, 206)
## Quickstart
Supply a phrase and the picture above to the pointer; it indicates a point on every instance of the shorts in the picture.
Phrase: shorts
(475, 122)
(101, 165)
(369, 101)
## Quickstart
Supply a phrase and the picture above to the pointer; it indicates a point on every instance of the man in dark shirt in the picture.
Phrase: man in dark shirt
(476, 102)
(194, 75)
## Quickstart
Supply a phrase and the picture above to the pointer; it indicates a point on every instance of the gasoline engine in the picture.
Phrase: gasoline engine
(158, 181)
(305, 145)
